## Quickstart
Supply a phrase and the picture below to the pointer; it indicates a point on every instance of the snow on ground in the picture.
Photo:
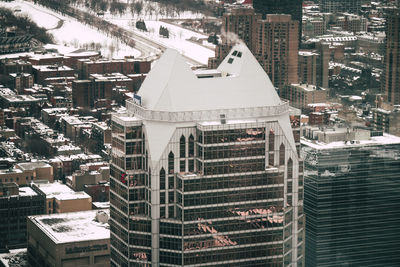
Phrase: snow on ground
(41, 18)
(178, 38)
(78, 35)
(73, 33)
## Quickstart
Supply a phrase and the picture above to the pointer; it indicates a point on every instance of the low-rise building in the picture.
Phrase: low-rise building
(60, 198)
(25, 173)
(69, 239)
(300, 95)
(42, 72)
(15, 204)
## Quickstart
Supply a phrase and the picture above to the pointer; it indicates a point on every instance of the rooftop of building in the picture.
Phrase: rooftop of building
(6, 91)
(110, 76)
(19, 98)
(26, 191)
(32, 165)
(308, 87)
(59, 191)
(172, 92)
(15, 257)
(172, 86)
(361, 138)
(73, 227)
(43, 68)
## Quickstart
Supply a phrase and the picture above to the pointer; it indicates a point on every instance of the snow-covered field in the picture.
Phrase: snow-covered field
(72, 33)
(75, 34)
(179, 36)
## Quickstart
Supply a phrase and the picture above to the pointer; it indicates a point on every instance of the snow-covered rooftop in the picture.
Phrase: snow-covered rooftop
(172, 86)
(385, 139)
(73, 226)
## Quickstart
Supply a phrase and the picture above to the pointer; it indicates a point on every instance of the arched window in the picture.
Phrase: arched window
(162, 179)
(289, 182)
(146, 162)
(290, 169)
(271, 140)
(170, 163)
(282, 154)
(191, 146)
(182, 147)
(271, 147)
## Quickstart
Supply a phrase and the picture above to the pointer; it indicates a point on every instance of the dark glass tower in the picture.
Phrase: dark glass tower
(351, 196)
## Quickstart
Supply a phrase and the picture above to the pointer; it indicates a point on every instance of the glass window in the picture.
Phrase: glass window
(162, 179)
(182, 147)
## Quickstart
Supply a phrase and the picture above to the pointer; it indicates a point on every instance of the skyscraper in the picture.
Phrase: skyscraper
(290, 7)
(391, 73)
(351, 191)
(205, 170)
(277, 48)
(238, 25)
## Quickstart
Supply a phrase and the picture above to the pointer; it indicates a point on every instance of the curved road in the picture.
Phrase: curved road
(148, 47)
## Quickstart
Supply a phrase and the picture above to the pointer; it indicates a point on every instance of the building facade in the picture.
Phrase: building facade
(290, 7)
(277, 48)
(15, 204)
(69, 239)
(301, 95)
(196, 179)
(351, 185)
(391, 72)
(334, 6)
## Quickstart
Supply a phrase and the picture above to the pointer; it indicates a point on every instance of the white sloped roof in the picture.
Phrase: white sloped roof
(172, 86)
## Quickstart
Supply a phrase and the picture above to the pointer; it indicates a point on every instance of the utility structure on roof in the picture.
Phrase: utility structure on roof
(205, 169)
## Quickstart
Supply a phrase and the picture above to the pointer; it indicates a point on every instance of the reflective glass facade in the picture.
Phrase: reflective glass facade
(351, 204)
(226, 194)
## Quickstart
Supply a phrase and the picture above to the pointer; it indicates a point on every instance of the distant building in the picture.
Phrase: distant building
(60, 198)
(25, 173)
(8, 66)
(238, 25)
(81, 178)
(391, 73)
(290, 7)
(21, 81)
(85, 93)
(98, 192)
(102, 66)
(15, 204)
(43, 72)
(308, 67)
(15, 44)
(277, 48)
(301, 95)
(386, 120)
(335, 6)
(351, 185)
(323, 64)
(69, 239)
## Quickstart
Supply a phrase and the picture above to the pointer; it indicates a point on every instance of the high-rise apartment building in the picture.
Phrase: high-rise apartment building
(205, 170)
(290, 7)
(391, 73)
(308, 67)
(351, 191)
(277, 48)
(334, 6)
(238, 25)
